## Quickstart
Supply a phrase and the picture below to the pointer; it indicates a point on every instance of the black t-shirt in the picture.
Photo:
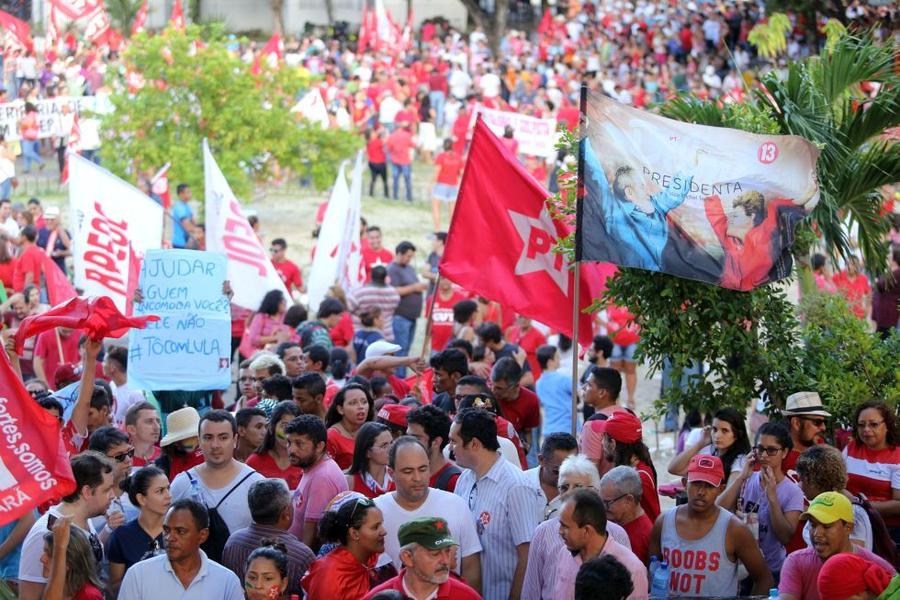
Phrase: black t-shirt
(444, 401)
(130, 544)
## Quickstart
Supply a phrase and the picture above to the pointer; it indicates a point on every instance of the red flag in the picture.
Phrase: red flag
(546, 22)
(34, 465)
(97, 29)
(501, 239)
(272, 48)
(425, 383)
(18, 32)
(176, 20)
(59, 288)
(73, 9)
(97, 317)
(140, 19)
(362, 43)
(72, 147)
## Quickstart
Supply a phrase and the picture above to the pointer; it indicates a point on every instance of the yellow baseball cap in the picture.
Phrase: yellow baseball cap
(829, 507)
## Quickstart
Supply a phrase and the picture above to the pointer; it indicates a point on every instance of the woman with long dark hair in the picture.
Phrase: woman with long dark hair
(142, 538)
(355, 524)
(351, 407)
(266, 571)
(368, 472)
(271, 458)
(727, 438)
(622, 441)
(267, 325)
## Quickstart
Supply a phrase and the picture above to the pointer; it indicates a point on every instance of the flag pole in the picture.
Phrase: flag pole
(428, 324)
(576, 289)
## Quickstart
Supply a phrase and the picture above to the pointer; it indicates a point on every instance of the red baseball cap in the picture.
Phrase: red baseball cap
(67, 373)
(623, 427)
(394, 414)
(706, 468)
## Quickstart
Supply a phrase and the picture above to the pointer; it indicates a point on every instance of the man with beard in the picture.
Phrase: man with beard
(805, 417)
(322, 477)
(408, 466)
(426, 549)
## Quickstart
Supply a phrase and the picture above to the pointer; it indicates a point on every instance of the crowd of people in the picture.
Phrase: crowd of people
(347, 462)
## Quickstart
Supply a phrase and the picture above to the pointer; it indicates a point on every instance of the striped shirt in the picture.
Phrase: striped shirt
(243, 542)
(370, 296)
(875, 473)
(540, 576)
(507, 509)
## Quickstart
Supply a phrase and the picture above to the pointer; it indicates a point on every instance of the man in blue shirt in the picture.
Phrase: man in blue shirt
(183, 571)
(184, 229)
(633, 230)
(554, 390)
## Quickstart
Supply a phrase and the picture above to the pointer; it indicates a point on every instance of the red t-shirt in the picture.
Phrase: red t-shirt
(179, 463)
(442, 321)
(649, 495)
(30, 261)
(400, 145)
(7, 273)
(73, 441)
(290, 274)
(342, 333)
(524, 412)
(375, 150)
(450, 165)
(875, 473)
(340, 448)
(359, 485)
(267, 467)
(88, 592)
(137, 461)
(639, 535)
(371, 258)
(855, 290)
(47, 348)
(452, 589)
(529, 341)
(622, 328)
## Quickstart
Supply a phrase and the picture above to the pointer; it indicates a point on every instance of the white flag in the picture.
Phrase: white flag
(325, 268)
(107, 214)
(350, 267)
(250, 270)
(312, 108)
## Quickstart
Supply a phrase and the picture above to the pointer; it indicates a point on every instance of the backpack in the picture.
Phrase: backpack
(882, 544)
(218, 529)
(446, 475)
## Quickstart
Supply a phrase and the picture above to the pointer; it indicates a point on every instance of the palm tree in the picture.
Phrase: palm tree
(821, 99)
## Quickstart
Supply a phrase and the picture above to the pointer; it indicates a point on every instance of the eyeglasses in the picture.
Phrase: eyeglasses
(818, 422)
(869, 425)
(565, 487)
(274, 250)
(608, 503)
(123, 456)
(770, 450)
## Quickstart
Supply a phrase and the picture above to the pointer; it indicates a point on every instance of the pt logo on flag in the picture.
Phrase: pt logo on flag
(538, 236)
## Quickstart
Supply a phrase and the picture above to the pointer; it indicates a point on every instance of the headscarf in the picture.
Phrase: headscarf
(846, 574)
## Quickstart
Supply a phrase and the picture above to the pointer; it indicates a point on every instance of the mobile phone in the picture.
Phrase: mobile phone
(51, 520)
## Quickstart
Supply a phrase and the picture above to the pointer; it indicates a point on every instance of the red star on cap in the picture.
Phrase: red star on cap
(438, 525)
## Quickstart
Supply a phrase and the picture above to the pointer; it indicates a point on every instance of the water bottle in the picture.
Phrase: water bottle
(197, 492)
(659, 585)
(654, 565)
(773, 593)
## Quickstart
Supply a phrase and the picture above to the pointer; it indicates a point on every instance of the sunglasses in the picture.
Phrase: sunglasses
(96, 546)
(364, 502)
(818, 422)
(123, 456)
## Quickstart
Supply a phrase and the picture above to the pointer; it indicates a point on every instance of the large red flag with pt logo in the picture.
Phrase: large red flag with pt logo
(501, 240)
(34, 466)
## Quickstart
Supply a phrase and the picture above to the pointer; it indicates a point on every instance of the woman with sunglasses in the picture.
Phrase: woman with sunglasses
(351, 407)
(727, 438)
(69, 564)
(354, 523)
(873, 461)
(768, 493)
(271, 458)
(368, 473)
(141, 538)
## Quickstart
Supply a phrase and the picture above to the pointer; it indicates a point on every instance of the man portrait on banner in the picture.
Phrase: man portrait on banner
(632, 211)
(753, 237)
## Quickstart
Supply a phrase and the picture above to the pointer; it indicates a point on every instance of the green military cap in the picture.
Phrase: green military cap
(429, 532)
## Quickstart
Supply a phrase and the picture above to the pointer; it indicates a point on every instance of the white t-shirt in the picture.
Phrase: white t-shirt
(125, 399)
(235, 511)
(439, 503)
(30, 567)
(389, 108)
(490, 85)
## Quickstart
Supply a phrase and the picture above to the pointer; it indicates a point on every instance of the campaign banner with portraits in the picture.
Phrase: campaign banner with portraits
(712, 204)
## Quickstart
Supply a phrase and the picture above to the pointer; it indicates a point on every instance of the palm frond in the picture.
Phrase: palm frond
(859, 124)
(692, 110)
(854, 60)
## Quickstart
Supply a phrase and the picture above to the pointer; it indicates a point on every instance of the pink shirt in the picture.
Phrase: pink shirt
(801, 570)
(319, 484)
(567, 569)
